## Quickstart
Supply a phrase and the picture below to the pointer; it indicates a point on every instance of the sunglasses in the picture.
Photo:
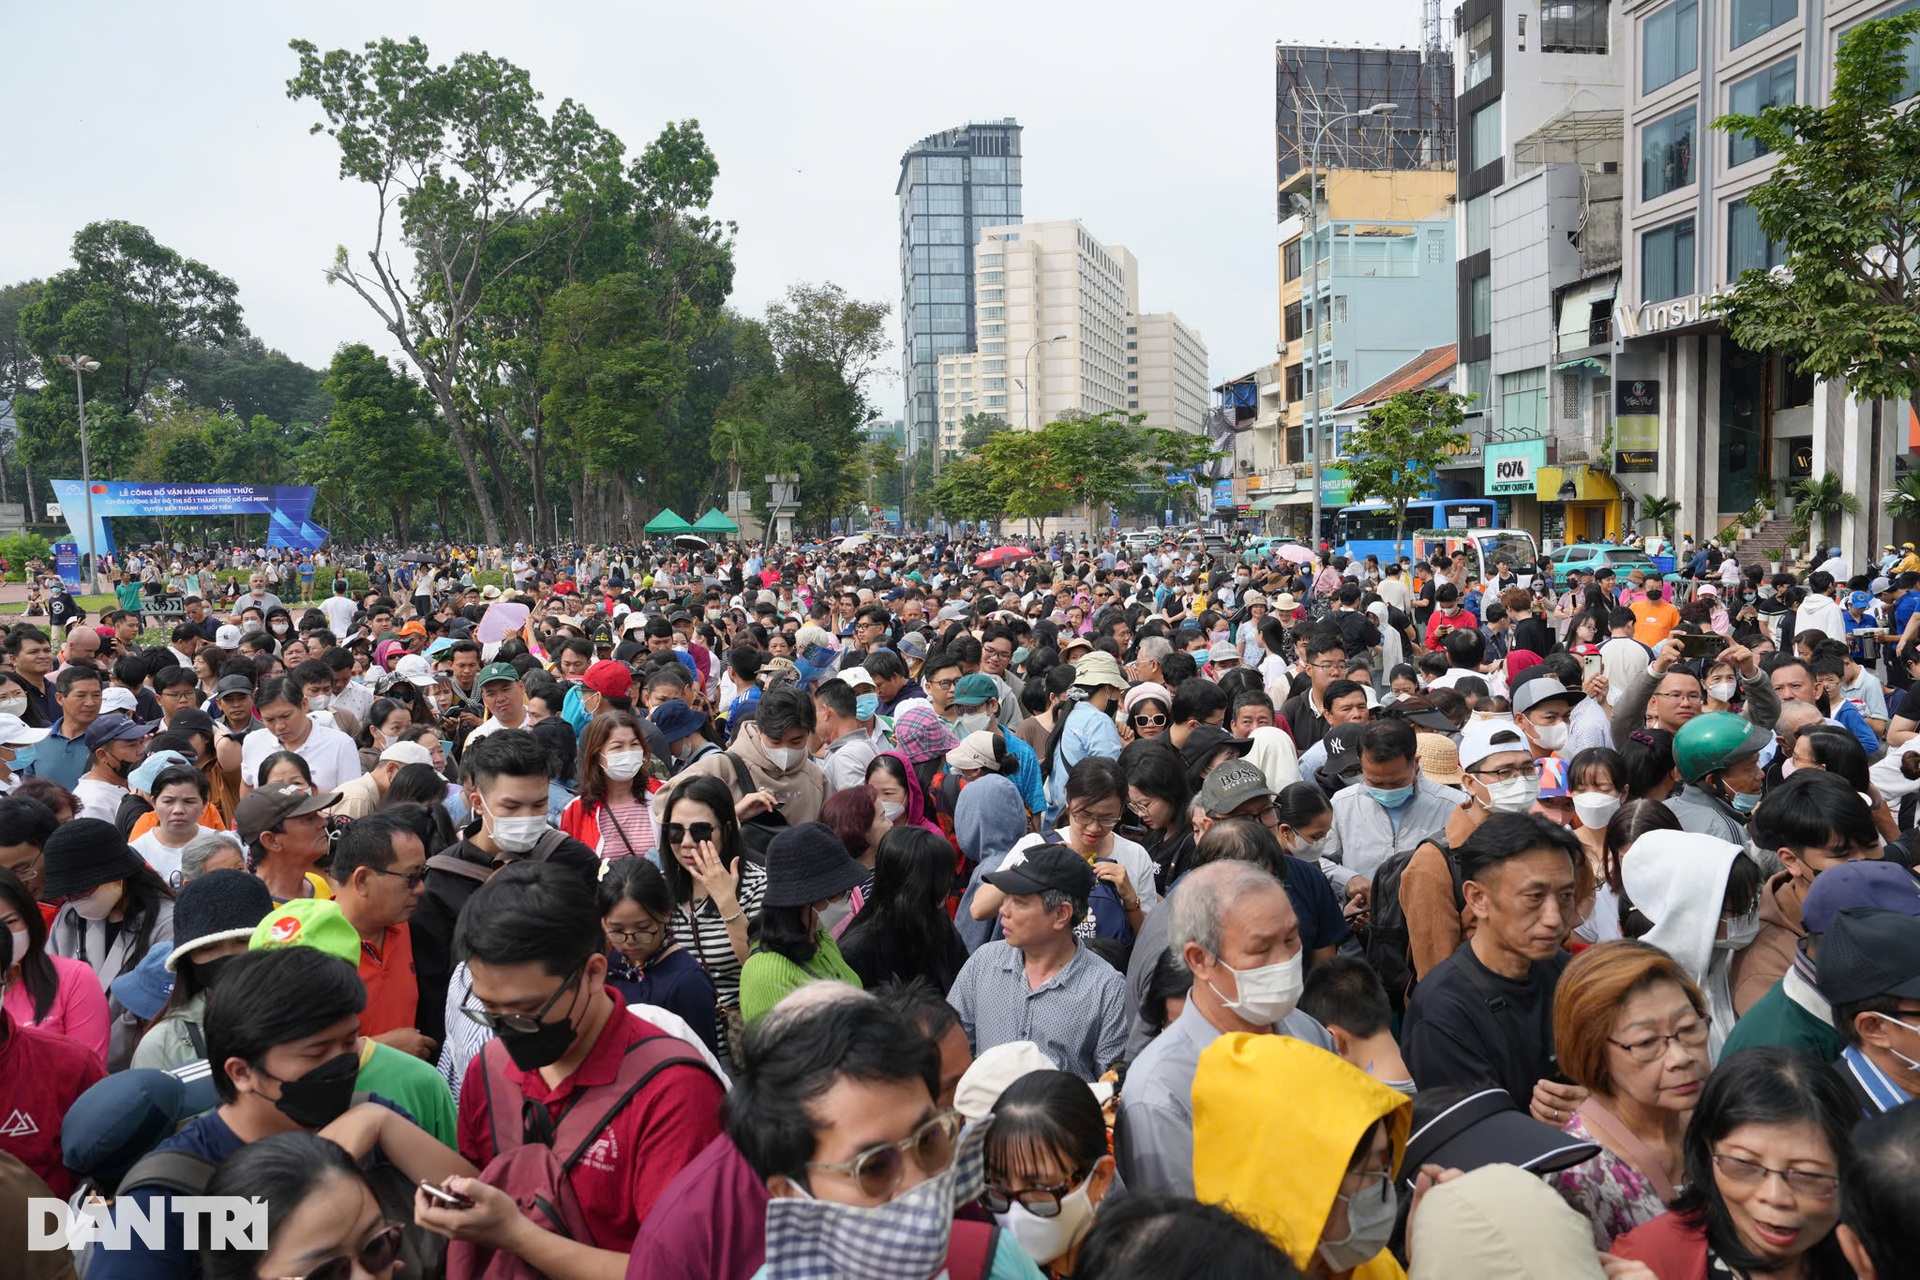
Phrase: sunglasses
(1040, 1201)
(1150, 722)
(414, 879)
(878, 1170)
(380, 1251)
(679, 833)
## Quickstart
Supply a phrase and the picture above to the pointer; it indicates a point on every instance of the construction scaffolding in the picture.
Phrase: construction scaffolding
(1316, 86)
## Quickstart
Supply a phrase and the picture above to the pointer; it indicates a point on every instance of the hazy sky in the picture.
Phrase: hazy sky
(1150, 122)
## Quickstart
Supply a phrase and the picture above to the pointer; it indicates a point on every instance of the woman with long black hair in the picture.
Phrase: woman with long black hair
(1161, 803)
(903, 930)
(117, 908)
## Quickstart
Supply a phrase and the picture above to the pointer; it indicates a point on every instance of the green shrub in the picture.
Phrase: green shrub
(19, 548)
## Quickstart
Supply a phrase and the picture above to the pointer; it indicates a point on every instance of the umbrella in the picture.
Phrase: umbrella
(1295, 552)
(420, 557)
(690, 542)
(1000, 555)
(854, 542)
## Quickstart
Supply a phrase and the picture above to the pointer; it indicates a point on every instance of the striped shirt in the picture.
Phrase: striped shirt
(631, 819)
(704, 934)
(1078, 1017)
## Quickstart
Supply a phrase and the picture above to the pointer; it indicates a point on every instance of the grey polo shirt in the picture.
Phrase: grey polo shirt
(1153, 1140)
(1078, 1017)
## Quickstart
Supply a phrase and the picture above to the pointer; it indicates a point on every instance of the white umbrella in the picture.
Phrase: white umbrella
(856, 540)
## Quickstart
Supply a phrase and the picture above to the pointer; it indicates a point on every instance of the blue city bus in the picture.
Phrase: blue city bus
(1366, 529)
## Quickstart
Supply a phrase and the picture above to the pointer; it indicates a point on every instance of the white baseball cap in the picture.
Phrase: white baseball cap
(14, 732)
(416, 670)
(227, 637)
(407, 753)
(1483, 738)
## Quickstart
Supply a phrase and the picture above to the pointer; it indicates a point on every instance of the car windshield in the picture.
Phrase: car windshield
(1625, 557)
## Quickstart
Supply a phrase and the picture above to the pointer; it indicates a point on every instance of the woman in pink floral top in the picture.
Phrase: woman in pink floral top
(1631, 1028)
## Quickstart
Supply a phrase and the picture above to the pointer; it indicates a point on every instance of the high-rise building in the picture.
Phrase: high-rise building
(1166, 372)
(952, 185)
(960, 398)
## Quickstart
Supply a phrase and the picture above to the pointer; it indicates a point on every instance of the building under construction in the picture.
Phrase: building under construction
(1320, 88)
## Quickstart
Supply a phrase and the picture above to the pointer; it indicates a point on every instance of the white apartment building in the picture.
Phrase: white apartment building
(1726, 427)
(1166, 372)
(959, 379)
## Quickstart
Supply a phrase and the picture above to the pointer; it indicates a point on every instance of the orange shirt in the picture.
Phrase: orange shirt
(210, 817)
(1652, 620)
(392, 990)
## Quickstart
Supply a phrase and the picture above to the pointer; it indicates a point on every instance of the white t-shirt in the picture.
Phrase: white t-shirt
(329, 753)
(167, 861)
(339, 611)
(1138, 866)
(98, 799)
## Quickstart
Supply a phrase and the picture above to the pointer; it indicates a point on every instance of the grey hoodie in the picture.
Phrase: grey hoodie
(989, 818)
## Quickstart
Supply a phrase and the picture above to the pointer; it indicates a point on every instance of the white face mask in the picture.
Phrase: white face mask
(515, 835)
(20, 944)
(624, 765)
(13, 706)
(319, 702)
(974, 723)
(1595, 809)
(892, 810)
(784, 758)
(1722, 692)
(834, 912)
(1045, 1239)
(1370, 1219)
(1267, 994)
(1515, 795)
(1741, 931)
(99, 904)
(1552, 737)
(1308, 850)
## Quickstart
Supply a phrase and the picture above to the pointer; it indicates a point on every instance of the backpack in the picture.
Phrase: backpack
(423, 1255)
(757, 832)
(1106, 917)
(454, 864)
(1389, 946)
(531, 1168)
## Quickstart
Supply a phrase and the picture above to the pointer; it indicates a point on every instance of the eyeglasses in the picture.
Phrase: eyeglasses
(637, 934)
(1802, 1182)
(1099, 821)
(25, 869)
(1150, 722)
(681, 832)
(524, 1022)
(878, 1169)
(380, 1251)
(1041, 1201)
(1327, 666)
(414, 879)
(1691, 1036)
(1682, 695)
(943, 684)
(1531, 769)
(1372, 1182)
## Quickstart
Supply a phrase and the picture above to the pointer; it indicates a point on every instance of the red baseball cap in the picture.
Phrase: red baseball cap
(610, 679)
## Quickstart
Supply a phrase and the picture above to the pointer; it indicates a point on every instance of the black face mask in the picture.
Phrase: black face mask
(532, 1050)
(208, 971)
(321, 1096)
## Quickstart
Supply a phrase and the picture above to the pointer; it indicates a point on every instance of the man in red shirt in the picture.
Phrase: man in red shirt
(380, 865)
(623, 1105)
(41, 1073)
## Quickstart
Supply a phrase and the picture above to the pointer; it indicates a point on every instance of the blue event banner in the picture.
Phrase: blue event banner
(285, 506)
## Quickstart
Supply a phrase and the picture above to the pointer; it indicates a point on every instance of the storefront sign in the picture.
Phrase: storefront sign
(1335, 489)
(1511, 464)
(1636, 425)
(1222, 494)
(1800, 460)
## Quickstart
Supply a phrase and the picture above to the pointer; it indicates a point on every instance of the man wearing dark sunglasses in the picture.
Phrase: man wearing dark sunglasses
(381, 867)
(863, 1081)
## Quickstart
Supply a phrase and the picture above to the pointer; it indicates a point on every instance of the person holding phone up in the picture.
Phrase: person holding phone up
(1676, 693)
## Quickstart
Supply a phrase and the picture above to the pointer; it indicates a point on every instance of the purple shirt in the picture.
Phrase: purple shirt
(710, 1223)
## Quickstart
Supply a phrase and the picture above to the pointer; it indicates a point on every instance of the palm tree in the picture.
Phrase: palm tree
(1903, 500)
(1816, 500)
(733, 441)
(1661, 510)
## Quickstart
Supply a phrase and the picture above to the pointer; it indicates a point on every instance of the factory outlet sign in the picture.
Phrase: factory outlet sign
(1512, 465)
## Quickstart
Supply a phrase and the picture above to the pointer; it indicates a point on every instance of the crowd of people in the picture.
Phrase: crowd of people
(886, 909)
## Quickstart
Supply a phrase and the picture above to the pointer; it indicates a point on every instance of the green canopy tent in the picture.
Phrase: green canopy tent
(714, 522)
(667, 522)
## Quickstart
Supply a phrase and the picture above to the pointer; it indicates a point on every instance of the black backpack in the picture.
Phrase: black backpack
(757, 832)
(1389, 946)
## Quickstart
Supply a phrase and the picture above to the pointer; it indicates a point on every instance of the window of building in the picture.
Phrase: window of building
(992, 330)
(1133, 404)
(993, 277)
(1132, 345)
(1479, 379)
(993, 295)
(994, 384)
(1290, 257)
(1480, 223)
(1481, 294)
(1523, 402)
(996, 402)
(1573, 26)
(1133, 359)
(993, 348)
(1570, 396)
(993, 313)
(1669, 44)
(1483, 135)
(1754, 18)
(1769, 87)
(1294, 378)
(1293, 327)
(993, 366)
(992, 259)
(1339, 373)
(1339, 308)
(1479, 51)
(1748, 248)
(1666, 262)
(1666, 154)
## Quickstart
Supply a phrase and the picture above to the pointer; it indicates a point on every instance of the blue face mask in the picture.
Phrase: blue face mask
(866, 706)
(1743, 802)
(1391, 797)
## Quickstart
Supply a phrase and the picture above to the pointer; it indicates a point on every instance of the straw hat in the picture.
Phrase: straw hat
(1439, 759)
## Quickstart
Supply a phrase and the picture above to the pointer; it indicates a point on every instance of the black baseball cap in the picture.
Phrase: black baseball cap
(1486, 1128)
(1206, 741)
(1051, 866)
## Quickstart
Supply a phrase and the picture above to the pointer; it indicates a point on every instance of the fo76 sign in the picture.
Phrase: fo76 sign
(221, 1222)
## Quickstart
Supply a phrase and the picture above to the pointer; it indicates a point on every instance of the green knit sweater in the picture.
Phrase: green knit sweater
(767, 977)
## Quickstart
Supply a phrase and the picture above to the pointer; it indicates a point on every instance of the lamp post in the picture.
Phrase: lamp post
(1310, 417)
(81, 366)
(1026, 362)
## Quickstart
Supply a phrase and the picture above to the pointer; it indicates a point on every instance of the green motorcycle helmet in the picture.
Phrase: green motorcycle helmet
(1713, 741)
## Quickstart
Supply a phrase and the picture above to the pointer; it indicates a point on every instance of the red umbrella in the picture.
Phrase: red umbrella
(1000, 555)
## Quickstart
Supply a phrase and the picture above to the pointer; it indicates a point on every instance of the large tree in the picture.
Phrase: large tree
(1843, 206)
(380, 448)
(1394, 455)
(455, 155)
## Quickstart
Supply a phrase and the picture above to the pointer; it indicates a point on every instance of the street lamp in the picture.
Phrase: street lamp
(81, 366)
(1312, 428)
(1026, 362)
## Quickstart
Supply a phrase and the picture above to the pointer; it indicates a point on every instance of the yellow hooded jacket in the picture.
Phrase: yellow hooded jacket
(1275, 1124)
